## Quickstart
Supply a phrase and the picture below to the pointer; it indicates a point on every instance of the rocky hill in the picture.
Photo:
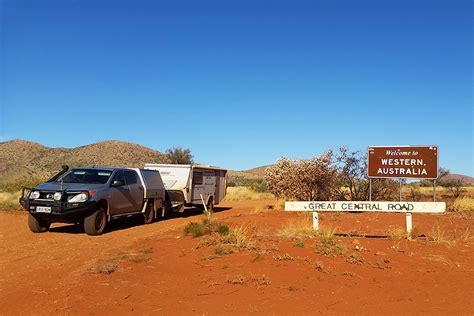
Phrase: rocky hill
(467, 180)
(255, 173)
(24, 161)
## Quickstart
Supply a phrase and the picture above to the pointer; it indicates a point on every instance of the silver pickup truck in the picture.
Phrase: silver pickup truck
(93, 196)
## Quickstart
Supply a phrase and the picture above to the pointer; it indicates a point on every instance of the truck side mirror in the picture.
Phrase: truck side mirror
(117, 183)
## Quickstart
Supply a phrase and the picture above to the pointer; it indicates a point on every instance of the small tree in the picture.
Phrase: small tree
(178, 155)
(442, 173)
(353, 179)
(352, 169)
(303, 179)
(455, 186)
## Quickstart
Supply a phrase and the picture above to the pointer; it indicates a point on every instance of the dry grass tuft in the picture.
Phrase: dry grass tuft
(147, 250)
(240, 279)
(284, 257)
(9, 200)
(138, 259)
(299, 244)
(106, 268)
(224, 249)
(302, 226)
(439, 258)
(463, 235)
(279, 205)
(239, 237)
(396, 233)
(329, 245)
(437, 236)
(463, 205)
(319, 266)
(245, 193)
(236, 239)
(254, 280)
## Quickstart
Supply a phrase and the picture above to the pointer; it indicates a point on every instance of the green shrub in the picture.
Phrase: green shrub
(299, 244)
(195, 229)
(223, 230)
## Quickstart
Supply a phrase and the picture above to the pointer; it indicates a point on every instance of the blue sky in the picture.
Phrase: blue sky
(240, 83)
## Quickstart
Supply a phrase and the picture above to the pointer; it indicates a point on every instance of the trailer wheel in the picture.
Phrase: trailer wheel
(149, 215)
(37, 226)
(94, 224)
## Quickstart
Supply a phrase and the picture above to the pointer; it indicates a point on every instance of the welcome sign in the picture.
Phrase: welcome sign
(415, 162)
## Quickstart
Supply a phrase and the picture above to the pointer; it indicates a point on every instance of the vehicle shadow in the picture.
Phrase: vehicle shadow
(133, 221)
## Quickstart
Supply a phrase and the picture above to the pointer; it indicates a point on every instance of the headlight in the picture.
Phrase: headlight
(57, 196)
(34, 195)
(81, 197)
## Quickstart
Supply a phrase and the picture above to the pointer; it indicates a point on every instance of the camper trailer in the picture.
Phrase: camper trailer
(192, 185)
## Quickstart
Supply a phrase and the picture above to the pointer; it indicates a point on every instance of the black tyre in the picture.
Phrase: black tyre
(149, 215)
(37, 226)
(95, 223)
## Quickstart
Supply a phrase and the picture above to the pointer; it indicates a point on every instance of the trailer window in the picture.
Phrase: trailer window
(209, 180)
(197, 178)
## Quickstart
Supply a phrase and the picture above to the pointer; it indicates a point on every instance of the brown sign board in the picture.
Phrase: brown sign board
(414, 162)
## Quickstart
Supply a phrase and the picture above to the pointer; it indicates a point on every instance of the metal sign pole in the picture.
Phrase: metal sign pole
(401, 189)
(409, 224)
(434, 190)
(370, 189)
(315, 221)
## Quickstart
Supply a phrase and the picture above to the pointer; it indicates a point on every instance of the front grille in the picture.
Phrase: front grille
(48, 195)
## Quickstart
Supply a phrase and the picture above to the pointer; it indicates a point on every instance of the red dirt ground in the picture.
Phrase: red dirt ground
(174, 274)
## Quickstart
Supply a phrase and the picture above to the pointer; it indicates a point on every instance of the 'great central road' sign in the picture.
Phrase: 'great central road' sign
(417, 162)
(365, 206)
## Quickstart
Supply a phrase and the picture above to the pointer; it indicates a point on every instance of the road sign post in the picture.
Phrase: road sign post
(366, 206)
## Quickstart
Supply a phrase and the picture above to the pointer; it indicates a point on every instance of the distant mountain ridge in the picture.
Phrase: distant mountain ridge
(465, 179)
(255, 173)
(22, 160)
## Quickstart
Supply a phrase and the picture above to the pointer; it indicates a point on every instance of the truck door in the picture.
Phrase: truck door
(118, 203)
(136, 191)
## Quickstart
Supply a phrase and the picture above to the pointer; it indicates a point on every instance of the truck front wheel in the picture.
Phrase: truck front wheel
(37, 226)
(94, 224)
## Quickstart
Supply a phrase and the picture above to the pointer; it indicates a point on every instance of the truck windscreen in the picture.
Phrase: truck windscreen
(95, 176)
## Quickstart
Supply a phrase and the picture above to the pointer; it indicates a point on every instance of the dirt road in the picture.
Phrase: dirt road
(154, 269)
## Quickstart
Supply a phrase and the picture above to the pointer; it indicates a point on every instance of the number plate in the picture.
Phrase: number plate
(43, 209)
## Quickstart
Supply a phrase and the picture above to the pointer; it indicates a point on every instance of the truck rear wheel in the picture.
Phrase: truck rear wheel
(94, 224)
(149, 215)
(37, 226)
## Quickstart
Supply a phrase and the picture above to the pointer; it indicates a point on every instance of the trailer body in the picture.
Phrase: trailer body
(193, 184)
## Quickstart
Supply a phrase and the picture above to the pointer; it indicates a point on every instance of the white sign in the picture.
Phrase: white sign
(366, 206)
